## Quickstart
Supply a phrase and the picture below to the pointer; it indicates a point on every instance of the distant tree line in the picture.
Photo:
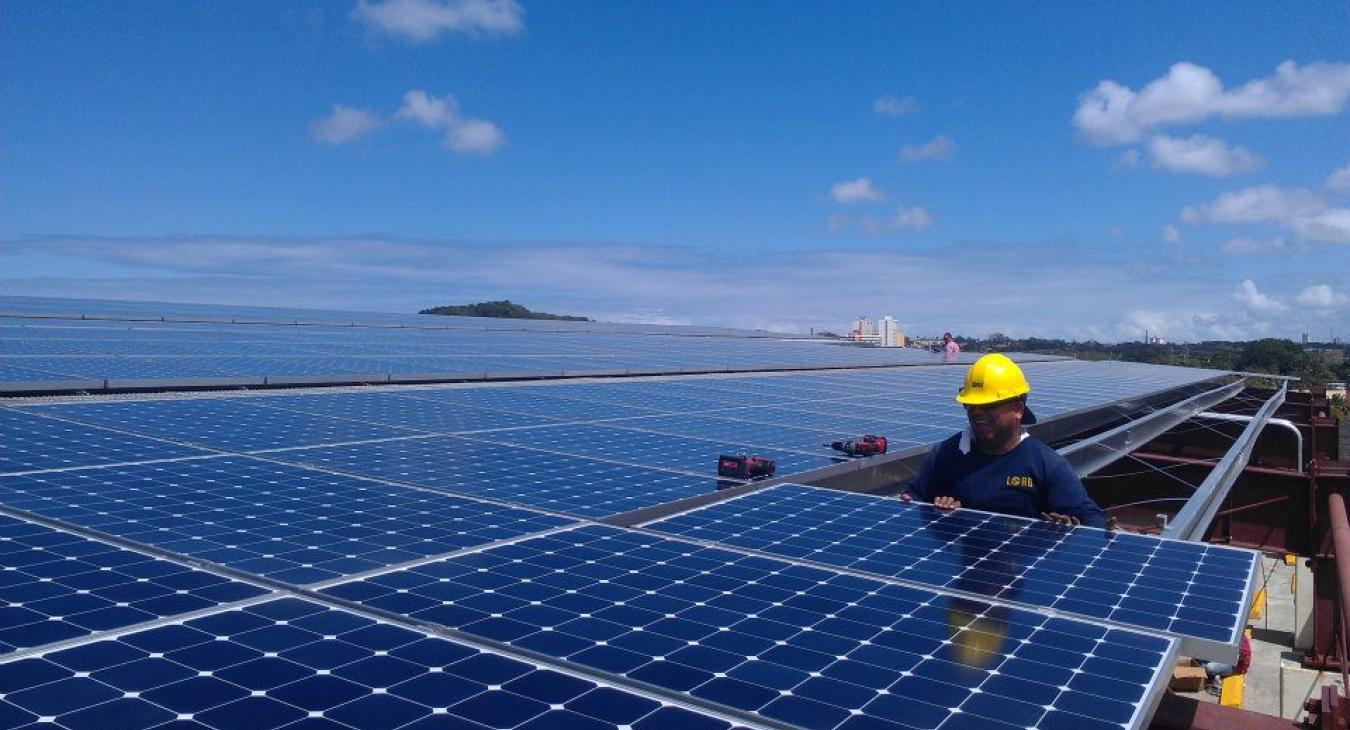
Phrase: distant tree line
(1321, 364)
(504, 309)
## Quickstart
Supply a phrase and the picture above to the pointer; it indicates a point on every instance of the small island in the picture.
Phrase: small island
(505, 309)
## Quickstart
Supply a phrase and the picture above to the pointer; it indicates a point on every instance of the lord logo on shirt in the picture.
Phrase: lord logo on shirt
(1025, 482)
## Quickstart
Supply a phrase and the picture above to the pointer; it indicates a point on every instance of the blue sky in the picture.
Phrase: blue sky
(1077, 170)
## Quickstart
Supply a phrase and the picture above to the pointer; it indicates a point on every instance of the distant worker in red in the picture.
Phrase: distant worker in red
(994, 464)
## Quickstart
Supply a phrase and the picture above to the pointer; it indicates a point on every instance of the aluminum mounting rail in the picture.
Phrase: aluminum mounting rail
(1096, 452)
(1192, 522)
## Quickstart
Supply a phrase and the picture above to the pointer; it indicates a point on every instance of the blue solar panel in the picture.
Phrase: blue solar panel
(305, 666)
(542, 401)
(746, 432)
(570, 484)
(789, 643)
(697, 456)
(387, 408)
(1196, 591)
(234, 424)
(33, 443)
(291, 524)
(55, 586)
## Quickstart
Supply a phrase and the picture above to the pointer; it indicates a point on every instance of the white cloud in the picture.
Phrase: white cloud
(419, 21)
(1303, 212)
(1321, 296)
(1172, 234)
(1112, 113)
(427, 110)
(1328, 226)
(856, 191)
(1127, 160)
(1243, 245)
(938, 148)
(1254, 205)
(1256, 302)
(915, 218)
(1115, 232)
(466, 136)
(1339, 179)
(475, 137)
(345, 124)
(892, 106)
(1201, 155)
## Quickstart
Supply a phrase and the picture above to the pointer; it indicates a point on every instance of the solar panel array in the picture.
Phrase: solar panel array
(587, 449)
(1194, 591)
(416, 557)
(295, 663)
(112, 353)
(805, 646)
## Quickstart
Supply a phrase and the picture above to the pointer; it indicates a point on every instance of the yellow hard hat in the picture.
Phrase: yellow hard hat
(991, 379)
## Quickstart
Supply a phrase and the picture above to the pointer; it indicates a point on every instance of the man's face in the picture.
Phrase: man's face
(994, 425)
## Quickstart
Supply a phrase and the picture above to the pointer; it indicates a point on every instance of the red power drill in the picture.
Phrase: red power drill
(744, 466)
(868, 445)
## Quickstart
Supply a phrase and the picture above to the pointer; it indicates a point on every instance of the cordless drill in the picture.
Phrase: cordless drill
(868, 445)
(744, 466)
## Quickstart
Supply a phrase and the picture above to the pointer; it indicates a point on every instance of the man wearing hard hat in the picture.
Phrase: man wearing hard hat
(994, 464)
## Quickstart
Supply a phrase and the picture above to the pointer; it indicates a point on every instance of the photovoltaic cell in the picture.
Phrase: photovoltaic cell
(806, 646)
(305, 666)
(55, 586)
(570, 484)
(291, 524)
(33, 443)
(1196, 591)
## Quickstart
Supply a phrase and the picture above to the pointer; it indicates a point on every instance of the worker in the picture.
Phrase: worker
(949, 345)
(994, 464)
(1216, 671)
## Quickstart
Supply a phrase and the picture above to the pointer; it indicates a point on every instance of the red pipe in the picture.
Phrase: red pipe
(1340, 538)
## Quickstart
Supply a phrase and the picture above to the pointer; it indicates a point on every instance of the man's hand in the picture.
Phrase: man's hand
(1059, 519)
(945, 502)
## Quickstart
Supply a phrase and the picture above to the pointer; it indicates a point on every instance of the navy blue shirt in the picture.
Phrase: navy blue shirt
(1026, 481)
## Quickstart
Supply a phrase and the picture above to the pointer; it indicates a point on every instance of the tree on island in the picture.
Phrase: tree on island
(504, 309)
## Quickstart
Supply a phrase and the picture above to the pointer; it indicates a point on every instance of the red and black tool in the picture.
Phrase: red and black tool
(745, 466)
(868, 445)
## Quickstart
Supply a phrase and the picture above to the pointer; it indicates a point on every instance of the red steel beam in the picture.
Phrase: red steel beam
(1340, 538)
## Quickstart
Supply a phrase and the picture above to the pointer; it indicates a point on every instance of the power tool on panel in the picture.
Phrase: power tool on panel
(868, 445)
(745, 466)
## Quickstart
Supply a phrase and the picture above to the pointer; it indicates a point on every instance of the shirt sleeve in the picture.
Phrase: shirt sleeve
(921, 486)
(1066, 494)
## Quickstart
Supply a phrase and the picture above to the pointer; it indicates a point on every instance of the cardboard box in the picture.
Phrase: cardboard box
(1188, 679)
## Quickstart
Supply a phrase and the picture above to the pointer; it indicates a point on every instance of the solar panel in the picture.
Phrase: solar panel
(55, 586)
(390, 409)
(293, 661)
(1196, 591)
(234, 424)
(788, 643)
(282, 522)
(649, 449)
(34, 443)
(570, 484)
